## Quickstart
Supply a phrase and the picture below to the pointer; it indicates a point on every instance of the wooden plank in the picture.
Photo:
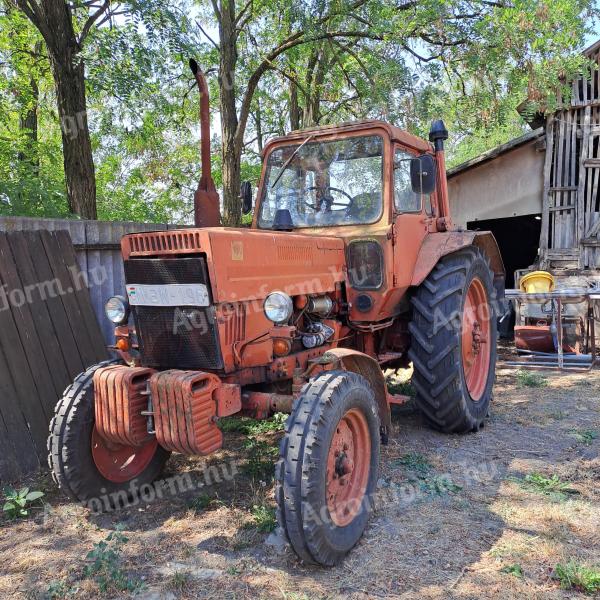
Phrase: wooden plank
(58, 316)
(82, 296)
(43, 328)
(19, 446)
(82, 337)
(547, 183)
(22, 309)
(581, 205)
(18, 365)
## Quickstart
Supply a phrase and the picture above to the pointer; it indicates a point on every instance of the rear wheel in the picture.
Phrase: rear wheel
(327, 472)
(453, 348)
(85, 466)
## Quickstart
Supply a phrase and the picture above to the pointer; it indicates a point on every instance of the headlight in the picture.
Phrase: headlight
(117, 310)
(278, 307)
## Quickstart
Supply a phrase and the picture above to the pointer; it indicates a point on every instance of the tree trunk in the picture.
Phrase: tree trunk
(28, 123)
(231, 150)
(69, 79)
(294, 107)
(54, 21)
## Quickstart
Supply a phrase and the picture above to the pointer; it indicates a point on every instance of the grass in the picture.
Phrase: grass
(548, 486)
(415, 462)
(585, 436)
(249, 426)
(204, 502)
(575, 576)
(263, 518)
(261, 459)
(105, 565)
(179, 581)
(531, 379)
(401, 388)
(516, 570)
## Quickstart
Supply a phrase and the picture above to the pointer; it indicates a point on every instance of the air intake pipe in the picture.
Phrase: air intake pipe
(437, 136)
(206, 199)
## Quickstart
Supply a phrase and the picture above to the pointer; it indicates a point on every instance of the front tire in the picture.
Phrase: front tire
(327, 473)
(453, 347)
(85, 467)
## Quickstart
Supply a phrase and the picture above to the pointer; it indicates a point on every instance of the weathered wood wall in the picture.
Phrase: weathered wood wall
(48, 334)
(571, 217)
(97, 246)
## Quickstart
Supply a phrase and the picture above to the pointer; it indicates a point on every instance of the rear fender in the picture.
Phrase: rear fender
(437, 245)
(368, 367)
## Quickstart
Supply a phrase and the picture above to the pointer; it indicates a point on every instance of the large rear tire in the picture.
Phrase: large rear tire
(453, 346)
(327, 473)
(85, 467)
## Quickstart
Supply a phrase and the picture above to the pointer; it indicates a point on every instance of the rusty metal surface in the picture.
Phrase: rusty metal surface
(185, 412)
(437, 245)
(368, 367)
(206, 199)
(228, 398)
(119, 399)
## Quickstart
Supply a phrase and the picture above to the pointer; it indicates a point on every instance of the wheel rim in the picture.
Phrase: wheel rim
(120, 463)
(476, 333)
(348, 465)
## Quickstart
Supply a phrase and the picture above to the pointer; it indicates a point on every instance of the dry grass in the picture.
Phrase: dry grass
(452, 521)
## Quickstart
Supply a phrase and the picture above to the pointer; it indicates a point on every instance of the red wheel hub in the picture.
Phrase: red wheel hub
(348, 466)
(120, 463)
(476, 333)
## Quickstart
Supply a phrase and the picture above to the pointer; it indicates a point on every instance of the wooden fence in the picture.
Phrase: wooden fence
(98, 251)
(55, 276)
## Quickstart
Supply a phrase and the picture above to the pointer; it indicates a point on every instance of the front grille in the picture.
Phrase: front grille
(180, 337)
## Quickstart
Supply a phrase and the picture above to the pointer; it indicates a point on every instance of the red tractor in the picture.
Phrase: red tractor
(351, 266)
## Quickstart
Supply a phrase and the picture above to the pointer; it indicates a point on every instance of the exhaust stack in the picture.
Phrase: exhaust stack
(206, 199)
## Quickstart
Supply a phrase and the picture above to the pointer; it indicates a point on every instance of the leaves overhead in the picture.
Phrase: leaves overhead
(295, 64)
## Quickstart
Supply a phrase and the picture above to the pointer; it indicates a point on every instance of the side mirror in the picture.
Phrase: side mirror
(246, 194)
(423, 174)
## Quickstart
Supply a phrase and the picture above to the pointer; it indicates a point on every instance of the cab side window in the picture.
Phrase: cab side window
(405, 199)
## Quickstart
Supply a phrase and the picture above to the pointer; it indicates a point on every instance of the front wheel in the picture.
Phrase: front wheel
(453, 345)
(86, 467)
(327, 473)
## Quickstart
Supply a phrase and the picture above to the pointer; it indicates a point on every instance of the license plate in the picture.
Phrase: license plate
(175, 294)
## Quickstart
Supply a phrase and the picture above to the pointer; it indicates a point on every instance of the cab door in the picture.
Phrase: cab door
(410, 222)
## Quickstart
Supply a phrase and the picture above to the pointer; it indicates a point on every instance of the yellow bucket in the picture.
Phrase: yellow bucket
(537, 282)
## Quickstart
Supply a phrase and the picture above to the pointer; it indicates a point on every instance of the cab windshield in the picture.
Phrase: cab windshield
(324, 183)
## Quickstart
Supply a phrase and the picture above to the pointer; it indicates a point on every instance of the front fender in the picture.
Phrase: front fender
(368, 367)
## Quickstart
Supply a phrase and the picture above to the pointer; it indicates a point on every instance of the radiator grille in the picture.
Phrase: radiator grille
(174, 337)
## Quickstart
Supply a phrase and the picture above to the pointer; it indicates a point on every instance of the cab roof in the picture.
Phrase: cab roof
(396, 134)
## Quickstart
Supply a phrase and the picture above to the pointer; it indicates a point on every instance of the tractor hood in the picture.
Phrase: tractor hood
(248, 264)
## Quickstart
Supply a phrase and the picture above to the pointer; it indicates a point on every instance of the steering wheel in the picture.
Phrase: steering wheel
(326, 197)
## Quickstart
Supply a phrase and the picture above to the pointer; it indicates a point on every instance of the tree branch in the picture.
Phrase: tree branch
(91, 20)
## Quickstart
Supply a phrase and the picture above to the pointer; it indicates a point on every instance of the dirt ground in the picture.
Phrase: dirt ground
(475, 516)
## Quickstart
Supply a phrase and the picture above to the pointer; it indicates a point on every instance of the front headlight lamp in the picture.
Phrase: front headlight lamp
(278, 307)
(117, 310)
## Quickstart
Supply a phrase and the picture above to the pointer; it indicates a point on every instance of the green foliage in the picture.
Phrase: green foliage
(253, 426)
(575, 576)
(105, 564)
(531, 379)
(516, 570)
(439, 485)
(585, 436)
(548, 486)
(18, 502)
(204, 502)
(402, 388)
(407, 63)
(415, 462)
(263, 518)
(61, 589)
(261, 459)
